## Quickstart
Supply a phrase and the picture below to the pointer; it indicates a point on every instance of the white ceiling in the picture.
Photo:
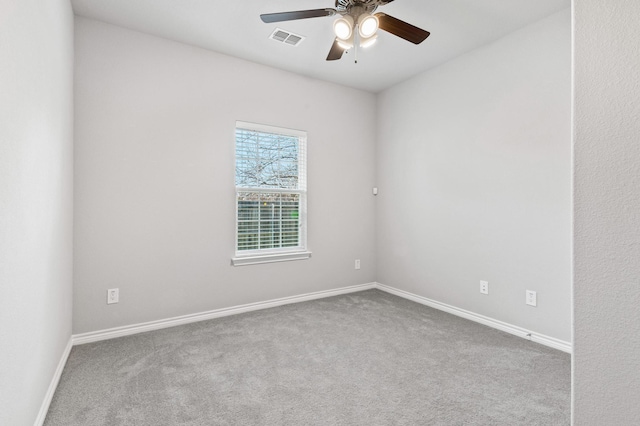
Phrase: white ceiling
(233, 27)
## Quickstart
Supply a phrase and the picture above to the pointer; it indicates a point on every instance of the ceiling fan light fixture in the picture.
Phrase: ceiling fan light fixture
(345, 44)
(367, 25)
(355, 23)
(366, 42)
(343, 27)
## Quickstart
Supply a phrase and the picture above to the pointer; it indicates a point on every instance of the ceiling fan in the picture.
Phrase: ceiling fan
(356, 21)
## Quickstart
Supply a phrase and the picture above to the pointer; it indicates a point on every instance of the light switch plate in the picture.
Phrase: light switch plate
(113, 296)
(532, 298)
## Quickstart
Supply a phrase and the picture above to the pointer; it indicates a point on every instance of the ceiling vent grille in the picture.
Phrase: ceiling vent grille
(286, 37)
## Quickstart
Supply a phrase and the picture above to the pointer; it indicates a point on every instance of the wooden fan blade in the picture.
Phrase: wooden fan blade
(336, 51)
(401, 29)
(298, 14)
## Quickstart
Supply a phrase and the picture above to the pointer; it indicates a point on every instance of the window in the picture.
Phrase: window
(271, 194)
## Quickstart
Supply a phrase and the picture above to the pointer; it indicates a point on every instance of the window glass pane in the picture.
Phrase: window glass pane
(268, 220)
(266, 160)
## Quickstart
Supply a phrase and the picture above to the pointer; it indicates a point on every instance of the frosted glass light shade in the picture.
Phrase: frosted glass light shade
(368, 25)
(366, 42)
(343, 27)
(346, 44)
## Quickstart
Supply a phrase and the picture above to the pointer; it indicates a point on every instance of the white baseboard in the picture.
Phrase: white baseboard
(500, 325)
(111, 333)
(44, 408)
(95, 336)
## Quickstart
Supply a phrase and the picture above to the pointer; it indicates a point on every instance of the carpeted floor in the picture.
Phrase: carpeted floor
(367, 358)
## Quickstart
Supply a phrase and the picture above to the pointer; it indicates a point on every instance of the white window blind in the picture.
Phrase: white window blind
(271, 190)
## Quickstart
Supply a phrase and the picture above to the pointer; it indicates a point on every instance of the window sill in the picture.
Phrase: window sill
(270, 258)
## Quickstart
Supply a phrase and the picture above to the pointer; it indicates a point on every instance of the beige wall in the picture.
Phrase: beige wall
(606, 361)
(154, 178)
(36, 200)
(474, 170)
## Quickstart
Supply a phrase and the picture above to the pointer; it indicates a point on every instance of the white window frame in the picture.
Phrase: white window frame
(282, 254)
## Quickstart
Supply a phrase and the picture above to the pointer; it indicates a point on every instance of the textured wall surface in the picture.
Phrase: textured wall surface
(36, 204)
(474, 170)
(606, 359)
(155, 194)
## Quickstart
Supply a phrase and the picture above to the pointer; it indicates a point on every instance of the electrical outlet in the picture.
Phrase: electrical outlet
(532, 298)
(357, 263)
(113, 296)
(484, 287)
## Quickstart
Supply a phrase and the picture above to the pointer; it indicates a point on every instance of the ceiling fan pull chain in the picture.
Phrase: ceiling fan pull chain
(355, 46)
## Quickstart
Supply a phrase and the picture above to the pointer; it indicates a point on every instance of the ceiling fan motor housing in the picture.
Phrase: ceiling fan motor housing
(357, 7)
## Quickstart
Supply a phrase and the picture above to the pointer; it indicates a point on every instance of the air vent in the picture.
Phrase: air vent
(286, 37)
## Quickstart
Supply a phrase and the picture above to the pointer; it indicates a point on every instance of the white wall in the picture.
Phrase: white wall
(606, 363)
(154, 178)
(474, 171)
(36, 205)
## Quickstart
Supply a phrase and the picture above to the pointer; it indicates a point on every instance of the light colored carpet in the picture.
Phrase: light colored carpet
(367, 358)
